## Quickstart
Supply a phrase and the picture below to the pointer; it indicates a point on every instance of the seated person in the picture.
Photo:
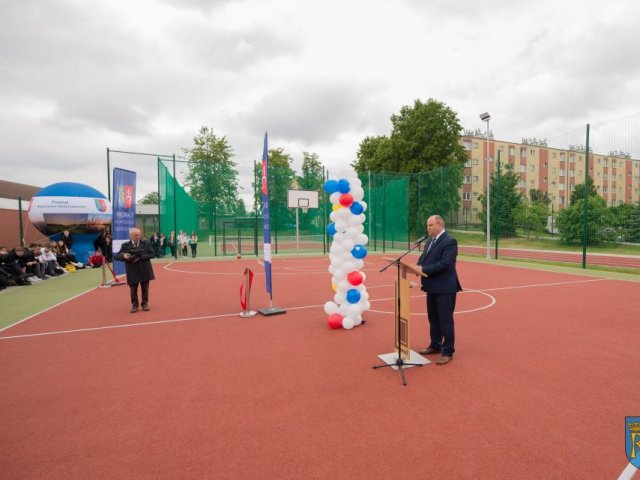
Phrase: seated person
(97, 259)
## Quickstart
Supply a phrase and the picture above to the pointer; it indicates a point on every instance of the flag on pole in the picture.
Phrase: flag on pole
(265, 214)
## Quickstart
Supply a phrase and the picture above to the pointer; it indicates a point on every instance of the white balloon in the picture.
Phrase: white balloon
(364, 296)
(335, 198)
(358, 193)
(357, 320)
(343, 308)
(344, 214)
(359, 228)
(330, 308)
(348, 244)
(333, 216)
(339, 298)
(364, 275)
(348, 323)
(338, 237)
(342, 286)
(362, 239)
(358, 264)
(356, 182)
(364, 205)
(341, 226)
(366, 306)
(355, 221)
(354, 310)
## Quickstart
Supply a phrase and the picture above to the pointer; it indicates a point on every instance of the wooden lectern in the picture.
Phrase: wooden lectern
(403, 307)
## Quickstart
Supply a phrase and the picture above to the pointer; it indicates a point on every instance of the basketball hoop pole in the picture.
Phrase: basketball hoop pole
(297, 232)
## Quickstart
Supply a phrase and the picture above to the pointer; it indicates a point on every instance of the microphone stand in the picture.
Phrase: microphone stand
(400, 363)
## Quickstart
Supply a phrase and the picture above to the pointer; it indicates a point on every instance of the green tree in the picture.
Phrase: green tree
(539, 197)
(312, 175)
(212, 178)
(532, 218)
(281, 178)
(506, 201)
(151, 198)
(372, 154)
(570, 221)
(312, 179)
(578, 193)
(625, 221)
(425, 139)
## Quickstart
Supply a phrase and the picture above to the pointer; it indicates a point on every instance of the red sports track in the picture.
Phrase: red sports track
(546, 369)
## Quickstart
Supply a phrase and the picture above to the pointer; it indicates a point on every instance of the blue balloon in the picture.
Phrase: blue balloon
(353, 296)
(356, 208)
(343, 186)
(359, 251)
(331, 186)
(331, 229)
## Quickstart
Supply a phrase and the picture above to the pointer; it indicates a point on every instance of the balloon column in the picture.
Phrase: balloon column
(347, 253)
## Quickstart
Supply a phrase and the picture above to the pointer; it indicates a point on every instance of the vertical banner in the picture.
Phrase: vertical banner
(124, 211)
(265, 213)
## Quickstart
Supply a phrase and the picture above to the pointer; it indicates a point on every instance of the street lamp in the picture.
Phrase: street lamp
(485, 117)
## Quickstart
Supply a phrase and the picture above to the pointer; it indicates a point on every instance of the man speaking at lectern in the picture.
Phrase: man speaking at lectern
(438, 262)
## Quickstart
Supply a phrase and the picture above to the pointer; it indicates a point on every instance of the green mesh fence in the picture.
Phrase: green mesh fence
(177, 210)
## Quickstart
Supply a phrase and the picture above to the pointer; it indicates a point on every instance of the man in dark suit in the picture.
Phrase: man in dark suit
(137, 255)
(438, 262)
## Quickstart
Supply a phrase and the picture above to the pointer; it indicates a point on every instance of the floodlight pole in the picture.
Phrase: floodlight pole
(485, 117)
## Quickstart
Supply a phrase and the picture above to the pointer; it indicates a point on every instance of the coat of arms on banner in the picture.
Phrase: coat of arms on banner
(632, 440)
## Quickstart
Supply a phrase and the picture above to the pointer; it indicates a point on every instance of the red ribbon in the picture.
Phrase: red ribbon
(243, 293)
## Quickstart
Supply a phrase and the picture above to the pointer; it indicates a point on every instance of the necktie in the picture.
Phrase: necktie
(430, 245)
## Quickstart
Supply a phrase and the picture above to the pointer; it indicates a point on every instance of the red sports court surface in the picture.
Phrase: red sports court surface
(546, 370)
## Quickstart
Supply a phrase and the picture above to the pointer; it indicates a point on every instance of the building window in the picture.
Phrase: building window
(475, 161)
(561, 202)
(606, 162)
(546, 164)
(467, 164)
(532, 182)
(532, 167)
(605, 176)
(561, 186)
(571, 172)
(512, 151)
(523, 152)
(572, 187)
(467, 179)
(475, 194)
(572, 158)
(523, 168)
(554, 170)
(475, 178)
(579, 172)
(466, 195)
(562, 156)
(475, 145)
(467, 145)
(522, 183)
(501, 148)
(532, 152)
(545, 180)
(605, 189)
(562, 172)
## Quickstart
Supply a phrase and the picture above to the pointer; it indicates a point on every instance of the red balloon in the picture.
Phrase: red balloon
(335, 320)
(355, 278)
(346, 199)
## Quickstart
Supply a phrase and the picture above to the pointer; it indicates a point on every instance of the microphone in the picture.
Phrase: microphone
(421, 239)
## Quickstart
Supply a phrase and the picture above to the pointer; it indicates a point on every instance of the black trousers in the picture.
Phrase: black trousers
(144, 287)
(440, 307)
(194, 249)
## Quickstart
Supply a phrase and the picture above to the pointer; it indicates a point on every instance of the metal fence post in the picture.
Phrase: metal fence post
(586, 203)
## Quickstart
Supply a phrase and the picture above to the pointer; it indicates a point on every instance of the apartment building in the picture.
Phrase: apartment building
(551, 170)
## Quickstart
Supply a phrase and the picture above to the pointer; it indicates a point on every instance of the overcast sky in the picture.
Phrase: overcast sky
(77, 77)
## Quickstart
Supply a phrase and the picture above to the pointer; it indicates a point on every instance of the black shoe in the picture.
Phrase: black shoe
(134, 309)
(145, 308)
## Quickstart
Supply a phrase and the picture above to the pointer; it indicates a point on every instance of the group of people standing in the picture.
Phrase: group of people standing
(177, 245)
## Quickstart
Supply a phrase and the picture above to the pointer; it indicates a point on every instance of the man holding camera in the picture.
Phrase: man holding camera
(137, 254)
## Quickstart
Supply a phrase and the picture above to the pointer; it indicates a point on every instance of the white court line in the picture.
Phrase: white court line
(457, 312)
(111, 327)
(628, 472)
(46, 310)
(289, 308)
